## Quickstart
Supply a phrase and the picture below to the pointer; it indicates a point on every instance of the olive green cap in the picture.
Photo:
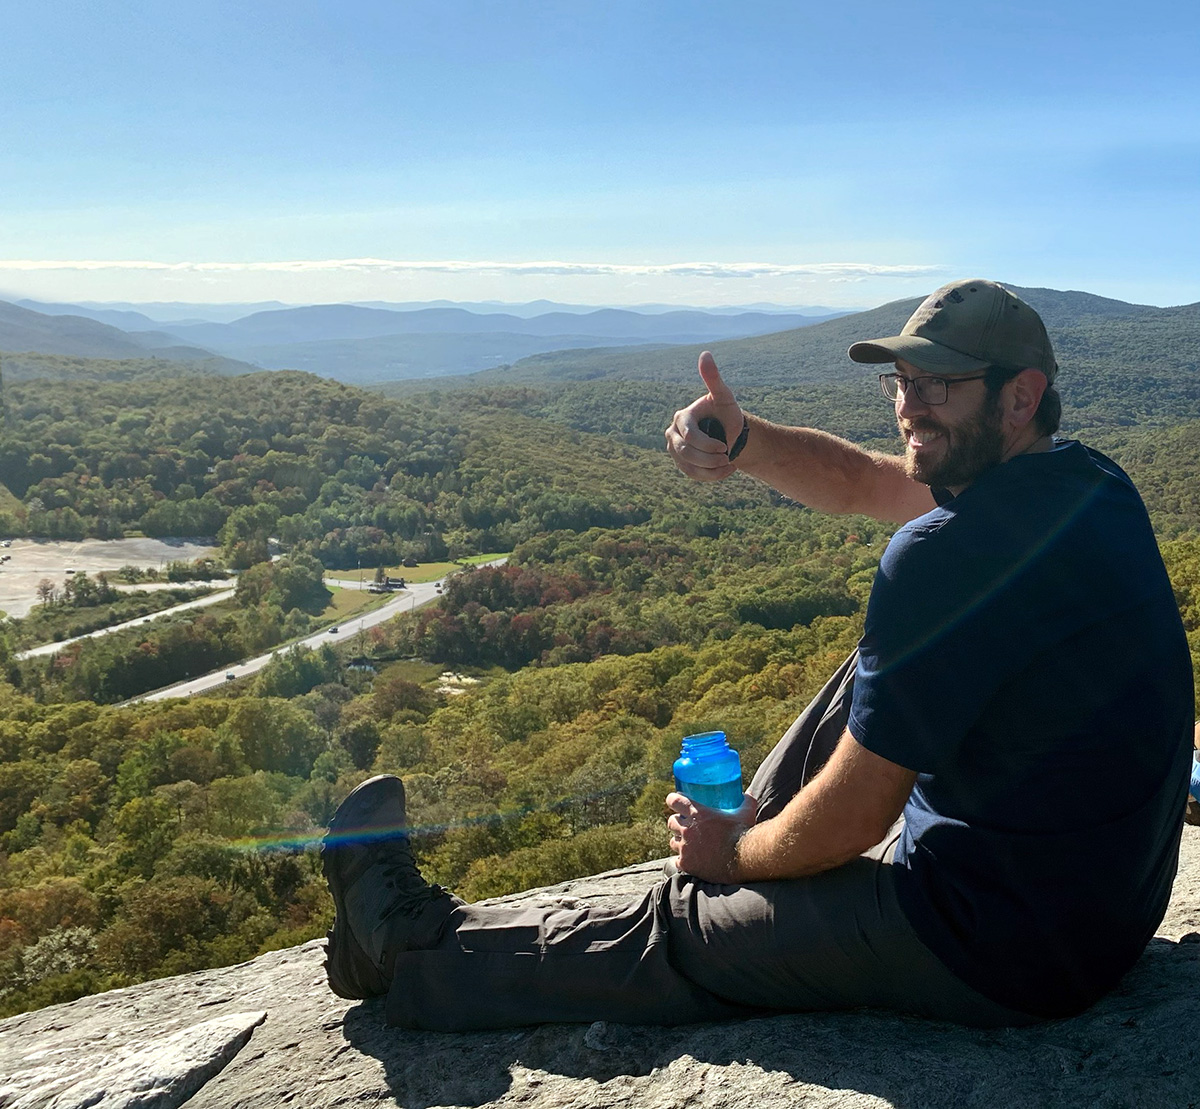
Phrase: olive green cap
(965, 327)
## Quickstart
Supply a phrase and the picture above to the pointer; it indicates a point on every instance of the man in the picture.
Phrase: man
(977, 819)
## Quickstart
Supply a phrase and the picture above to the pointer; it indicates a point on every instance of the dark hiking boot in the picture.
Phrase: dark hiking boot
(382, 903)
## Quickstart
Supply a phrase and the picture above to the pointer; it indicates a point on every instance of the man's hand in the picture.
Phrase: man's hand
(700, 456)
(705, 840)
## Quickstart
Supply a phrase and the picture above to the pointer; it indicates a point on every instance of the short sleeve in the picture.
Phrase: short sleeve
(936, 644)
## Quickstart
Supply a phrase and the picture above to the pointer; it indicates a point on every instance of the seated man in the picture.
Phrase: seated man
(977, 819)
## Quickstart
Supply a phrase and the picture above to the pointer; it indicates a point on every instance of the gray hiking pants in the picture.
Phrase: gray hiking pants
(695, 951)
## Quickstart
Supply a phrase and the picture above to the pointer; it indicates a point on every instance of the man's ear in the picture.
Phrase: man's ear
(1025, 394)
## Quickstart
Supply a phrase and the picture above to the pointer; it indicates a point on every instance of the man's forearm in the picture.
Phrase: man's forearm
(831, 474)
(845, 810)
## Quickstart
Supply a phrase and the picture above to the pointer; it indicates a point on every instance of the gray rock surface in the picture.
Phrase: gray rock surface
(269, 1033)
(147, 1067)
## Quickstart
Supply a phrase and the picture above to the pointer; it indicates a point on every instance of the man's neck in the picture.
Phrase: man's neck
(1034, 444)
(1039, 445)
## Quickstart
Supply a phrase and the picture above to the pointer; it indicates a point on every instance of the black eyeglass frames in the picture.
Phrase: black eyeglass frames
(930, 390)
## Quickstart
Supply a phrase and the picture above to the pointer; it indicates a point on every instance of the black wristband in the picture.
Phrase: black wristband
(740, 442)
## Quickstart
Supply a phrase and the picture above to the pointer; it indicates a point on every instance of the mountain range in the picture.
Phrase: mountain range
(1121, 364)
(22, 329)
(363, 344)
(1152, 348)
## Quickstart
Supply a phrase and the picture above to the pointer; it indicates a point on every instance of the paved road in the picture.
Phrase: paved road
(58, 645)
(404, 601)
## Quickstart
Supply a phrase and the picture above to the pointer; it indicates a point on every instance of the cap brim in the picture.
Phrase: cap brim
(922, 353)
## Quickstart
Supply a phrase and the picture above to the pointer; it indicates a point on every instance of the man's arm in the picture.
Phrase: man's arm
(812, 467)
(845, 810)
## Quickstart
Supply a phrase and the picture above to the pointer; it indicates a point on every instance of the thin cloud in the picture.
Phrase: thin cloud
(829, 271)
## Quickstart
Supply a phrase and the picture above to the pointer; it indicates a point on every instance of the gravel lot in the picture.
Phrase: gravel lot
(35, 559)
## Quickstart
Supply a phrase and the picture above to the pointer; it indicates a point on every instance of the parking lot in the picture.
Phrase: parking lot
(31, 560)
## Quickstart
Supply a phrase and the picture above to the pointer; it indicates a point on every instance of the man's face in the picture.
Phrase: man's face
(949, 445)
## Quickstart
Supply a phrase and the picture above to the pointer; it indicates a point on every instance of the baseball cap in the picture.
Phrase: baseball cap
(965, 327)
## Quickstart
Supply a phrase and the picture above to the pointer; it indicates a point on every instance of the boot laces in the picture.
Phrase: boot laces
(409, 892)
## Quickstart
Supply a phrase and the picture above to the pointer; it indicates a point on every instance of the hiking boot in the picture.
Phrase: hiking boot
(383, 905)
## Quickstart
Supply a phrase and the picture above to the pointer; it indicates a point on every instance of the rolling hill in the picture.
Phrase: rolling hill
(363, 344)
(1120, 364)
(23, 331)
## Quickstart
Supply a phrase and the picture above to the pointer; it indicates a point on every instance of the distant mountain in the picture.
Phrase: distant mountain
(1083, 327)
(1130, 347)
(162, 312)
(322, 322)
(816, 353)
(422, 356)
(1121, 365)
(124, 319)
(23, 330)
(191, 312)
(356, 343)
(541, 307)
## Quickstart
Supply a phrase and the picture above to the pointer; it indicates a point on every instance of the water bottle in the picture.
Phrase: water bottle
(709, 772)
(1193, 785)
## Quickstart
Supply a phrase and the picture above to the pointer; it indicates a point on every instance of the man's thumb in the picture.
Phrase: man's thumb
(721, 393)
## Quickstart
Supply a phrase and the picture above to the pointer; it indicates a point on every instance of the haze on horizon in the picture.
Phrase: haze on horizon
(617, 154)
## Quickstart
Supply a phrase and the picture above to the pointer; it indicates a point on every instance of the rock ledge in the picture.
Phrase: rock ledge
(269, 1033)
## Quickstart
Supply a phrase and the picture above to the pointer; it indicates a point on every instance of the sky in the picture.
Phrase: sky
(608, 152)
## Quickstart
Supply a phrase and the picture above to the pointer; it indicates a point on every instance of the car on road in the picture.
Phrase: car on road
(333, 629)
(230, 675)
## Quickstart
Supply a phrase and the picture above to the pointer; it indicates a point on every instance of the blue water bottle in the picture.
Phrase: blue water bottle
(709, 772)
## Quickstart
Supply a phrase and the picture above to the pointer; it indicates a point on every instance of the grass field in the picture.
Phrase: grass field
(348, 603)
(433, 571)
(413, 670)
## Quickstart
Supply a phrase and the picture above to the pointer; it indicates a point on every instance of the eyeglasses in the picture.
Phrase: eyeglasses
(930, 390)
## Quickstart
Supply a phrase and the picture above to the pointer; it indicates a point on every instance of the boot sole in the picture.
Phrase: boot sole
(346, 963)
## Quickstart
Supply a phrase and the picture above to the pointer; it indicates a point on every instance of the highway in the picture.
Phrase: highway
(58, 645)
(404, 600)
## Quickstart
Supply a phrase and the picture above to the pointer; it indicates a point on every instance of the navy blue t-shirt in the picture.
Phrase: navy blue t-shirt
(1023, 653)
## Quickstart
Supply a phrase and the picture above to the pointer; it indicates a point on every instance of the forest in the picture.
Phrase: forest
(534, 710)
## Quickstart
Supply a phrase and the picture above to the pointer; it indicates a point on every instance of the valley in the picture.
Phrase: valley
(141, 838)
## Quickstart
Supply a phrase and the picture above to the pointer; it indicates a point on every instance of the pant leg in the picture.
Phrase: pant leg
(806, 746)
(687, 951)
(836, 940)
(501, 966)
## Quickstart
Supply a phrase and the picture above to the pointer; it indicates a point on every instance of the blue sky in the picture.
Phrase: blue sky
(623, 153)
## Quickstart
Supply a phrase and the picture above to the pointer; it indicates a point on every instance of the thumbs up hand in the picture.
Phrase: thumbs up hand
(699, 451)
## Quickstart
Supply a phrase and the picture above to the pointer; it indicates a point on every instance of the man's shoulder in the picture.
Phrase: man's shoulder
(932, 549)
(1033, 491)
(1022, 509)
(1066, 463)
(1104, 464)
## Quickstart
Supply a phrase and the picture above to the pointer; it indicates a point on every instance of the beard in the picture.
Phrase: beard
(972, 448)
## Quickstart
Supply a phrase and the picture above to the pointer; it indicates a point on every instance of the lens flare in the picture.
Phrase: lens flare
(296, 842)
